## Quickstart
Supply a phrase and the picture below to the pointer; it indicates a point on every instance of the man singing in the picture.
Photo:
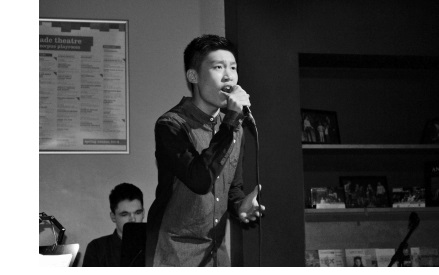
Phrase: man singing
(199, 154)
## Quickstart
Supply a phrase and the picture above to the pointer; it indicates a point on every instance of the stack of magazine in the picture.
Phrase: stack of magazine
(374, 191)
(333, 197)
(408, 197)
(371, 257)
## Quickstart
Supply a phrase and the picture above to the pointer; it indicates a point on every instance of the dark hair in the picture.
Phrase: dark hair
(201, 46)
(124, 191)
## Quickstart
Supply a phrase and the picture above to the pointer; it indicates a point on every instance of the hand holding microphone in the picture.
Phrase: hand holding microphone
(239, 100)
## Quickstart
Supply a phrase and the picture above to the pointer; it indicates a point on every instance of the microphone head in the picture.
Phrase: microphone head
(246, 110)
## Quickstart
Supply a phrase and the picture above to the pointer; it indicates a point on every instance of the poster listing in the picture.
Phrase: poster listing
(83, 99)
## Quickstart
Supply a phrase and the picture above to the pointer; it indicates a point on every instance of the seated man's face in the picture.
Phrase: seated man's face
(127, 211)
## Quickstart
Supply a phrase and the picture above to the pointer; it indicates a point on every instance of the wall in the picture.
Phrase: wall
(368, 27)
(264, 32)
(270, 35)
(75, 188)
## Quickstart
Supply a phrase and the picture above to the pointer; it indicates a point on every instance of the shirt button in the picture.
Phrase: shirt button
(211, 119)
(216, 220)
(217, 199)
(217, 177)
(234, 141)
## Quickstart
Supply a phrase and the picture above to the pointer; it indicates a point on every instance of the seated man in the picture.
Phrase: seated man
(126, 203)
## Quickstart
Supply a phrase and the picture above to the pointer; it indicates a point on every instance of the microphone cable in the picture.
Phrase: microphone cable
(259, 199)
(135, 258)
(252, 123)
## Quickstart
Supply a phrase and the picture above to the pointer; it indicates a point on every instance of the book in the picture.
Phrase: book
(408, 197)
(401, 260)
(367, 257)
(432, 183)
(384, 256)
(424, 256)
(312, 258)
(406, 257)
(361, 257)
(415, 256)
(332, 258)
(327, 197)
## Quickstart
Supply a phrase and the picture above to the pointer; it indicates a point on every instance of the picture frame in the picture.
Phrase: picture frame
(430, 134)
(327, 197)
(432, 183)
(83, 86)
(365, 191)
(319, 127)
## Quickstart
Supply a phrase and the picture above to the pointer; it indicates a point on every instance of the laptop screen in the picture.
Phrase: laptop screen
(133, 245)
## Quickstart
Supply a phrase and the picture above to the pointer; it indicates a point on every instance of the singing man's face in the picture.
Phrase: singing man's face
(218, 70)
(127, 211)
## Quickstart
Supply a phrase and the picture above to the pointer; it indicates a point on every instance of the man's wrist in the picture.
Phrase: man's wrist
(233, 118)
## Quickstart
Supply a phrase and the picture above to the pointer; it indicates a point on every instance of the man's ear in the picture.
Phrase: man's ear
(192, 76)
(113, 217)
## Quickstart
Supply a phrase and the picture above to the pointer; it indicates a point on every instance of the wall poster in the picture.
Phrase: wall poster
(83, 100)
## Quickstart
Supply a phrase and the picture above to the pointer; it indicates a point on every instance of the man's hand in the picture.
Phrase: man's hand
(249, 209)
(237, 98)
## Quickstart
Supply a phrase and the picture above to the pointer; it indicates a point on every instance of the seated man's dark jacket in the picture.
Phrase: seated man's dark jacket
(103, 251)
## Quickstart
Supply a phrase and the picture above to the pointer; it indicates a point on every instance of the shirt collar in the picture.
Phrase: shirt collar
(116, 237)
(198, 115)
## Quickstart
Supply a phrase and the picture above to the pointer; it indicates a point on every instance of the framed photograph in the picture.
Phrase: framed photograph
(432, 183)
(431, 132)
(320, 127)
(327, 197)
(83, 86)
(365, 191)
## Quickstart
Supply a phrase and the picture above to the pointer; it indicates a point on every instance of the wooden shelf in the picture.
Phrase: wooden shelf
(370, 146)
(353, 86)
(364, 214)
(319, 60)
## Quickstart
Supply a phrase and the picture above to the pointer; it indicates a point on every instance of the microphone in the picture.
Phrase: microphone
(245, 110)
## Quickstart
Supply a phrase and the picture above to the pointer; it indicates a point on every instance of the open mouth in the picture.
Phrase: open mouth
(226, 89)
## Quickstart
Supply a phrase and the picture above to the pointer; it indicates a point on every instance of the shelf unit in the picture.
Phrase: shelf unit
(374, 141)
(370, 147)
(369, 228)
(370, 214)
(357, 61)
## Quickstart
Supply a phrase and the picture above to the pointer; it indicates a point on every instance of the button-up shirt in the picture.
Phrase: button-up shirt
(199, 160)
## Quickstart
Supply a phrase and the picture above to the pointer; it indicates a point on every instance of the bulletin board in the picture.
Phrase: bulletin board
(83, 86)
